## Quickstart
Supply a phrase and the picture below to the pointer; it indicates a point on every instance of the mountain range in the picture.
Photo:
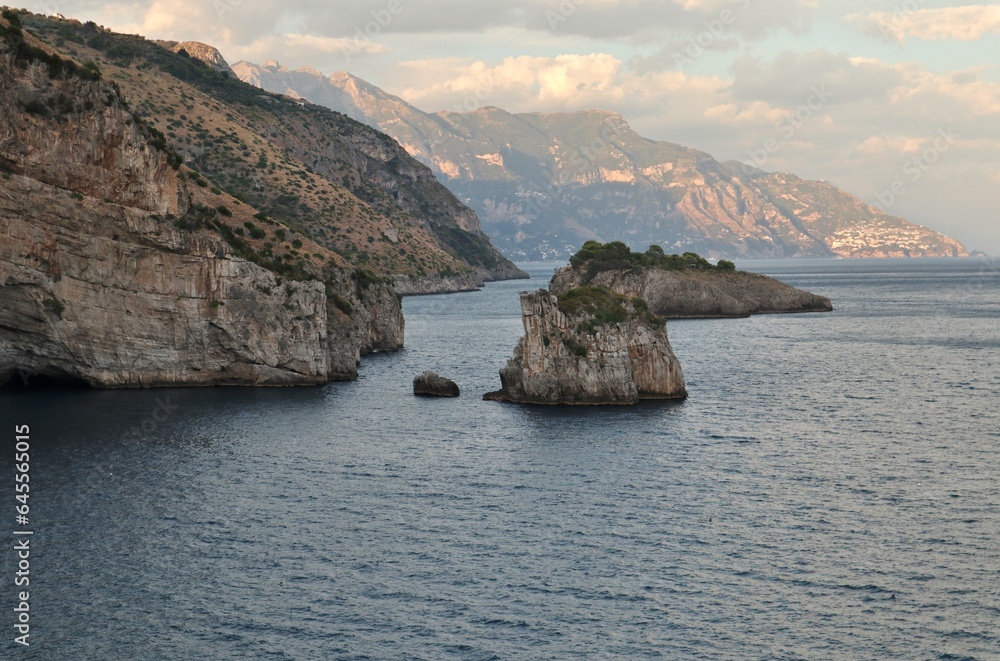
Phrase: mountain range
(542, 184)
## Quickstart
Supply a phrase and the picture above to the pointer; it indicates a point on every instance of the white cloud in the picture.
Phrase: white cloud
(563, 82)
(967, 23)
(880, 146)
(791, 78)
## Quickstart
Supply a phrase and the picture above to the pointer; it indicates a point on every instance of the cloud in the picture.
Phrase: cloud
(967, 23)
(563, 81)
(792, 78)
(244, 21)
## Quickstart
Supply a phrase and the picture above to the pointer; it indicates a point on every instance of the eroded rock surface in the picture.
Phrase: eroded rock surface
(598, 348)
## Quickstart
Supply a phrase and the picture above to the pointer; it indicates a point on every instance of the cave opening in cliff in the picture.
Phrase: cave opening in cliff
(49, 379)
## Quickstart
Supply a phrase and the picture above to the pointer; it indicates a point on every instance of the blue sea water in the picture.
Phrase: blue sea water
(830, 490)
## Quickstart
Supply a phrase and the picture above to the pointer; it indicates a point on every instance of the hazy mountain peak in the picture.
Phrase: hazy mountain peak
(542, 183)
(271, 65)
(342, 77)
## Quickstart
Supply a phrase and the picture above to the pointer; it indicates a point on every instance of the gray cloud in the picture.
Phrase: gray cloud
(791, 78)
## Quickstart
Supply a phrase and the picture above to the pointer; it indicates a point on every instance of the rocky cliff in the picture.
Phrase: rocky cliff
(589, 346)
(682, 287)
(114, 274)
(199, 51)
(545, 183)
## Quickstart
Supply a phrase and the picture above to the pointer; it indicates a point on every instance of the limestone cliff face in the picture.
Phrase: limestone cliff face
(76, 135)
(698, 294)
(567, 359)
(375, 325)
(111, 296)
(408, 286)
(98, 284)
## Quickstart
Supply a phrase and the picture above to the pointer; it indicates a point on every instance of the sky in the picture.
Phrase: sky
(895, 101)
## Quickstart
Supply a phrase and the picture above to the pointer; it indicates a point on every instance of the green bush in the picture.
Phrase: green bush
(365, 279)
(595, 257)
(604, 306)
(54, 306)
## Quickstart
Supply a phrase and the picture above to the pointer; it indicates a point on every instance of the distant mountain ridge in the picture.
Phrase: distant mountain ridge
(542, 184)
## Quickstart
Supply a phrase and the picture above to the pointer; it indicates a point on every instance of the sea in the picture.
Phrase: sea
(829, 490)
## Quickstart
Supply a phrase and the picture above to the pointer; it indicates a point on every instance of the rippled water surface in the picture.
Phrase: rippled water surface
(830, 490)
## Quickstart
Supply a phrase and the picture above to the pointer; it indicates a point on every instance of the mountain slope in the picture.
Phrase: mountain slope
(544, 183)
(341, 183)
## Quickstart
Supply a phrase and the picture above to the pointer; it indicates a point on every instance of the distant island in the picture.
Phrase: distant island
(682, 286)
(598, 335)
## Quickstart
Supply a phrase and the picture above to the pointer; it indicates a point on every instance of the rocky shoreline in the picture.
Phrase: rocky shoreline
(598, 335)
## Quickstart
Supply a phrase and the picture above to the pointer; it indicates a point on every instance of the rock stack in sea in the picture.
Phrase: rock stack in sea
(589, 346)
(431, 384)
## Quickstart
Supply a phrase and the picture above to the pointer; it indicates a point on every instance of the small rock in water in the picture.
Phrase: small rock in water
(430, 384)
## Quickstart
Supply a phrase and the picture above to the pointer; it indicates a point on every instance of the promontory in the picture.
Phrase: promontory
(683, 286)
(164, 224)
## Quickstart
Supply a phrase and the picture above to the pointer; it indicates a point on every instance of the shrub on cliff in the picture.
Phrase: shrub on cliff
(24, 53)
(603, 307)
(595, 257)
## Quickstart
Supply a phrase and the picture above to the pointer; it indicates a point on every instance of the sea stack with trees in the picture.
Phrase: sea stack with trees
(598, 334)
